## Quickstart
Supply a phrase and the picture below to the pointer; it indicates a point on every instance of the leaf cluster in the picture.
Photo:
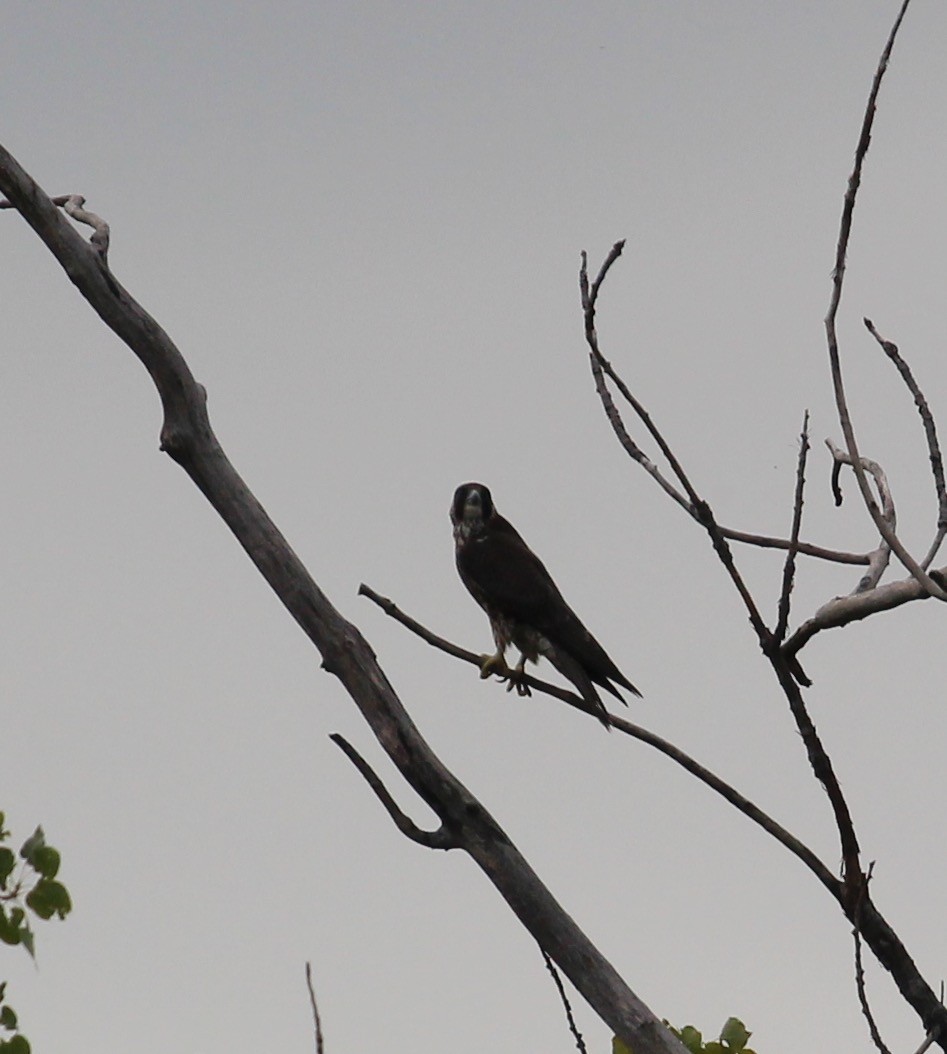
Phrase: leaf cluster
(30, 889)
(733, 1039)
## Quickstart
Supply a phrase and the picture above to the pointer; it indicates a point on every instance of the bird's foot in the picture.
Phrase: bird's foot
(493, 664)
(516, 678)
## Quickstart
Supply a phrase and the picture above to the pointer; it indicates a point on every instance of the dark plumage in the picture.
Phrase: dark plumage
(524, 606)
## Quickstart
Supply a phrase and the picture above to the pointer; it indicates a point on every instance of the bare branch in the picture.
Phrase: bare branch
(600, 367)
(439, 839)
(525, 679)
(841, 611)
(630, 446)
(73, 204)
(315, 1010)
(789, 567)
(576, 1034)
(879, 558)
(934, 548)
(700, 509)
(746, 537)
(860, 972)
(823, 770)
(802, 548)
(599, 363)
(838, 277)
(785, 669)
(930, 431)
(620, 724)
(187, 436)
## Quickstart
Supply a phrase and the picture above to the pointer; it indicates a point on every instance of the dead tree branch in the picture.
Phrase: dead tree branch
(700, 508)
(852, 895)
(787, 671)
(643, 735)
(187, 436)
(879, 558)
(557, 980)
(690, 504)
(526, 679)
(838, 277)
(860, 973)
(317, 1024)
(789, 567)
(879, 936)
(72, 205)
(930, 432)
(442, 838)
(841, 611)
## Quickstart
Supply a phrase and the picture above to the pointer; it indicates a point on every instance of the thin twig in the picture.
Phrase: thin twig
(600, 367)
(879, 558)
(787, 672)
(577, 1035)
(930, 430)
(620, 724)
(838, 276)
(789, 567)
(72, 205)
(701, 509)
(803, 548)
(315, 1009)
(859, 969)
(841, 611)
(598, 361)
(731, 534)
(524, 679)
(439, 839)
(824, 771)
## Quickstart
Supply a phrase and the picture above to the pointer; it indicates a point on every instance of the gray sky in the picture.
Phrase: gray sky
(361, 223)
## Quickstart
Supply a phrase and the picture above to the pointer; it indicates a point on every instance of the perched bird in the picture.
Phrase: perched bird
(524, 606)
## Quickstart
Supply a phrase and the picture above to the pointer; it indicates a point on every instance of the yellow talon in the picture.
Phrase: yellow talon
(493, 664)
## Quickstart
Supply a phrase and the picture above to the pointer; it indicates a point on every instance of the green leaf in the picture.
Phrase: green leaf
(9, 933)
(16, 1045)
(48, 898)
(26, 939)
(734, 1034)
(7, 864)
(8, 1017)
(692, 1039)
(35, 841)
(713, 1047)
(46, 861)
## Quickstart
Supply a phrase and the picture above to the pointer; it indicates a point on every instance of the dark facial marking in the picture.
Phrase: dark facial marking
(461, 496)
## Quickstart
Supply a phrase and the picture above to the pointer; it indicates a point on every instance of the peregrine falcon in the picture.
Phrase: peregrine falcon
(524, 605)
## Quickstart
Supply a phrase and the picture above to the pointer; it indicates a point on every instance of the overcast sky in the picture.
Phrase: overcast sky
(361, 223)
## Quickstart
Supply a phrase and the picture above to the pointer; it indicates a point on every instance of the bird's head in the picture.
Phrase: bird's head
(472, 507)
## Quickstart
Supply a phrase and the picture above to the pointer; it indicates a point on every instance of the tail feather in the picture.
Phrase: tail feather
(576, 673)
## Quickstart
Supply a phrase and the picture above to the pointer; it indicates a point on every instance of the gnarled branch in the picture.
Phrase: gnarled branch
(187, 436)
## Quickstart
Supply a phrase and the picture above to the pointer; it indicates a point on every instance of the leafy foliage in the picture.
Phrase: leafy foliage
(733, 1039)
(33, 889)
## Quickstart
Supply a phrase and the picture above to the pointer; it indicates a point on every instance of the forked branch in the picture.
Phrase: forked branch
(838, 278)
(187, 436)
(643, 735)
